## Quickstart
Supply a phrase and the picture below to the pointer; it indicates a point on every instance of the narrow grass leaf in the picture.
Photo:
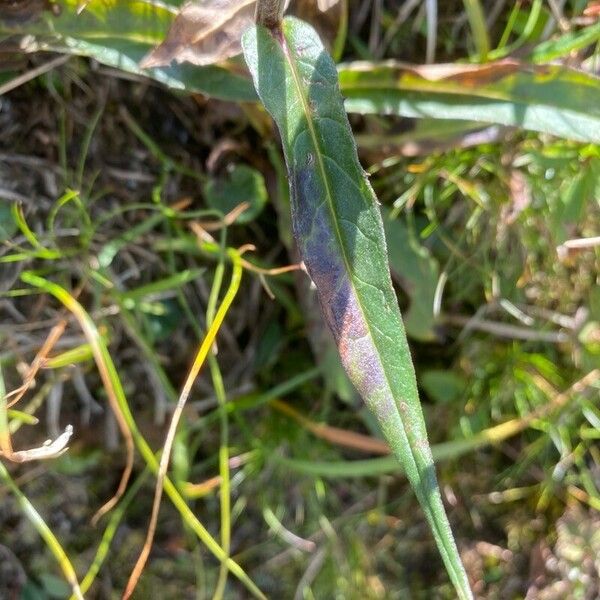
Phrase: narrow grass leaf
(203, 351)
(339, 231)
(478, 27)
(109, 533)
(34, 517)
(114, 386)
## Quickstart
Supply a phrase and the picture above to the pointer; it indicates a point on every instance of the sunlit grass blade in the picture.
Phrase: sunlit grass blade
(104, 360)
(205, 347)
(167, 284)
(73, 356)
(106, 368)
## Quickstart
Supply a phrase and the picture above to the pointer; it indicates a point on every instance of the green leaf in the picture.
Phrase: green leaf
(119, 34)
(32, 592)
(339, 232)
(549, 99)
(565, 44)
(55, 587)
(242, 184)
(8, 226)
(442, 386)
(167, 284)
(418, 273)
(577, 193)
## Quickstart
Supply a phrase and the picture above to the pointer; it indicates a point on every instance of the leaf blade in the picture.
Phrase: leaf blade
(341, 240)
(549, 99)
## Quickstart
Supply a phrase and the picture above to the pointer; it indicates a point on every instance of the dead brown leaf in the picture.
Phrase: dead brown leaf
(204, 33)
(210, 32)
(468, 75)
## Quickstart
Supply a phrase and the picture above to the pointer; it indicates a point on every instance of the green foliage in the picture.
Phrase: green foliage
(504, 330)
(547, 99)
(442, 386)
(120, 34)
(418, 273)
(8, 227)
(241, 184)
(340, 236)
(551, 99)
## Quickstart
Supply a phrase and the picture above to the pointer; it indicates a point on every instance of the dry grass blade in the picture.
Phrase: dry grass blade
(32, 74)
(204, 34)
(334, 435)
(185, 392)
(109, 380)
(38, 362)
(50, 448)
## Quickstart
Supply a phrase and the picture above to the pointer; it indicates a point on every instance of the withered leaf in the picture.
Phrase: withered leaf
(209, 31)
(204, 33)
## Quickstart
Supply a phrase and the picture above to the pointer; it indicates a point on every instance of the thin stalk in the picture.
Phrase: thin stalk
(185, 392)
(528, 29)
(45, 533)
(225, 498)
(269, 12)
(104, 360)
(109, 533)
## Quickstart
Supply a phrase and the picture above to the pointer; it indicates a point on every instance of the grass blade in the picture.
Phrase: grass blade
(340, 235)
(478, 27)
(45, 533)
(205, 347)
(38, 522)
(104, 361)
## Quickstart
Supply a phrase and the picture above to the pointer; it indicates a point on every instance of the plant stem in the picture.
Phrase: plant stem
(269, 12)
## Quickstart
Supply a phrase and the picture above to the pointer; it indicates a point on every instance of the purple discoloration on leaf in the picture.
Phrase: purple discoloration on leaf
(313, 230)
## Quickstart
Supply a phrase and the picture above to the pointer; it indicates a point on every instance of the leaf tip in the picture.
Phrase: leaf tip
(155, 58)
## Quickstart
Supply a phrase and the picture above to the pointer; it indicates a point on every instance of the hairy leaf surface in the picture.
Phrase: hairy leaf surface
(339, 231)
